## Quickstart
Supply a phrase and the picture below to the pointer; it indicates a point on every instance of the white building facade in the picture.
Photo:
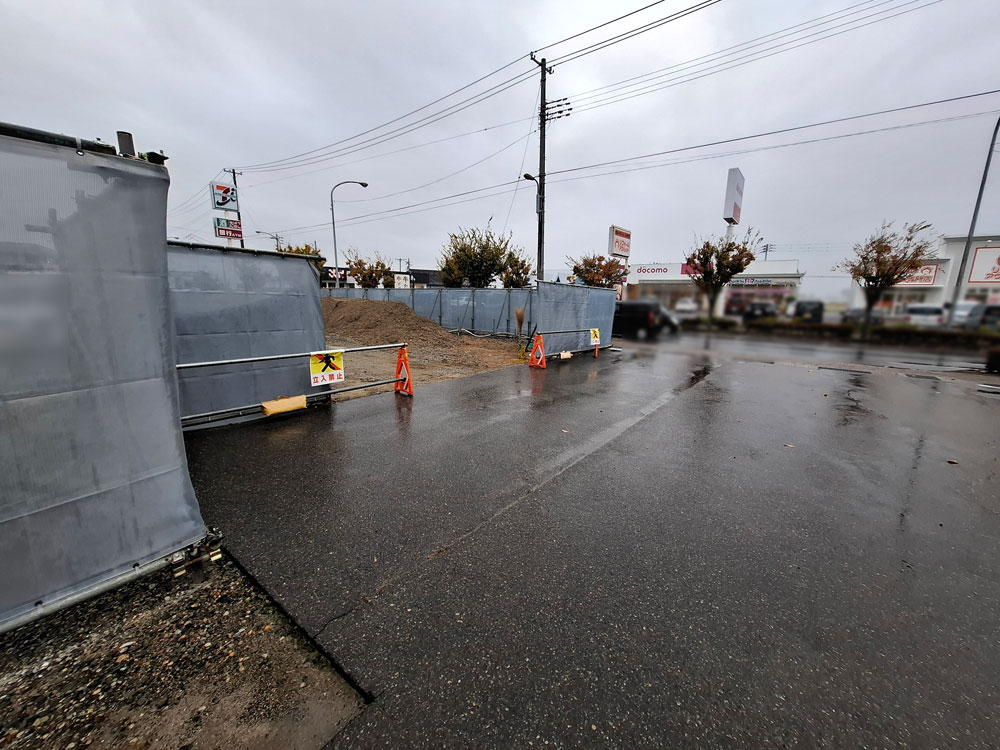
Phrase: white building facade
(934, 283)
(774, 281)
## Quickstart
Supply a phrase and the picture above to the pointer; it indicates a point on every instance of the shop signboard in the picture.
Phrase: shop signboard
(619, 242)
(926, 275)
(985, 266)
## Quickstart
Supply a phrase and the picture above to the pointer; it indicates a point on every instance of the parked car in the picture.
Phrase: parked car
(962, 310)
(982, 316)
(924, 316)
(809, 311)
(758, 310)
(670, 320)
(639, 318)
(856, 316)
(686, 308)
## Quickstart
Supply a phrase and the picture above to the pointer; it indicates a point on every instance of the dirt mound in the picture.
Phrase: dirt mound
(371, 323)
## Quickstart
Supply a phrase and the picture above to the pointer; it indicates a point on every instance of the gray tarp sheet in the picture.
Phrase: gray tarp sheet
(231, 304)
(549, 307)
(93, 476)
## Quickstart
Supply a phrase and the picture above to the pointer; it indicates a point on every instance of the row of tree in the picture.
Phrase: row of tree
(478, 258)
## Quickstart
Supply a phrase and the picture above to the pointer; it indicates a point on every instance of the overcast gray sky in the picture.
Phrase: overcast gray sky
(217, 85)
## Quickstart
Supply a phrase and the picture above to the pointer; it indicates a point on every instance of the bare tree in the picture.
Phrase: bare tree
(716, 260)
(885, 259)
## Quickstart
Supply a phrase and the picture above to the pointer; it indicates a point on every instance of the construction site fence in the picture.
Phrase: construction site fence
(94, 486)
(548, 306)
(228, 303)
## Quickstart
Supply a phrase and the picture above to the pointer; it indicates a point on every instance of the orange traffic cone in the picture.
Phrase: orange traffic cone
(537, 353)
(403, 366)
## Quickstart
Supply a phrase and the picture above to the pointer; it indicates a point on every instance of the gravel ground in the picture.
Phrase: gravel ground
(170, 663)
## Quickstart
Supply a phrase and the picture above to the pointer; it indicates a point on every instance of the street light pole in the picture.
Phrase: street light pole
(972, 228)
(333, 223)
(275, 237)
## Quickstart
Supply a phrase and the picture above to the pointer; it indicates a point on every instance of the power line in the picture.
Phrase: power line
(600, 25)
(442, 179)
(524, 156)
(393, 121)
(781, 130)
(306, 159)
(781, 33)
(391, 153)
(641, 167)
(423, 206)
(740, 61)
(624, 36)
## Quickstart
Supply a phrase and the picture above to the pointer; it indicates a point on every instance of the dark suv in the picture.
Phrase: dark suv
(641, 318)
(758, 310)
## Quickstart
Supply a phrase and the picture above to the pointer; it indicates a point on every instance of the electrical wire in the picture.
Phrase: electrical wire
(389, 153)
(380, 215)
(312, 157)
(779, 131)
(390, 122)
(601, 25)
(616, 98)
(446, 177)
(625, 36)
(581, 94)
(524, 156)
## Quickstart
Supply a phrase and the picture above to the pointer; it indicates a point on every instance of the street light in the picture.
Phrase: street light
(277, 239)
(540, 210)
(333, 223)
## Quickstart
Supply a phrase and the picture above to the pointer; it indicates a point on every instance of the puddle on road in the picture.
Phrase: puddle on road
(850, 407)
(697, 375)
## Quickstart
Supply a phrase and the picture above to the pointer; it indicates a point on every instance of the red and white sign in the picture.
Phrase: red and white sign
(229, 228)
(926, 275)
(224, 197)
(734, 196)
(985, 266)
(619, 241)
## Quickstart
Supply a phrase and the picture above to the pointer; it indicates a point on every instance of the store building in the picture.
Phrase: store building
(774, 281)
(934, 283)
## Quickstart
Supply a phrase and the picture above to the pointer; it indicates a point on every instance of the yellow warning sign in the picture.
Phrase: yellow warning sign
(595, 336)
(326, 368)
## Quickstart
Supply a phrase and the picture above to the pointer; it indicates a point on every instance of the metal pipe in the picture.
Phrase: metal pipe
(574, 330)
(190, 365)
(243, 411)
(353, 388)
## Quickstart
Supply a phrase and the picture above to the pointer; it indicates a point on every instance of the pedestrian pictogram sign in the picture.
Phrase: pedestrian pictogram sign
(326, 367)
(595, 336)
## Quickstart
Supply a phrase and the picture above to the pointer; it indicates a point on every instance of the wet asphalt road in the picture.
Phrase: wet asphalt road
(648, 550)
(806, 350)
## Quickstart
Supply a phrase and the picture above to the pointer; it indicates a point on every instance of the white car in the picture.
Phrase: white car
(686, 306)
(925, 316)
(961, 313)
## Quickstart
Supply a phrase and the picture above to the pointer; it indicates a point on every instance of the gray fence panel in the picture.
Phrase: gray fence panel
(550, 307)
(94, 478)
(229, 304)
(567, 307)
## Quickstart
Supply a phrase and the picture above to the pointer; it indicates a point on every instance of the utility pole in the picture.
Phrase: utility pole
(972, 228)
(540, 204)
(239, 218)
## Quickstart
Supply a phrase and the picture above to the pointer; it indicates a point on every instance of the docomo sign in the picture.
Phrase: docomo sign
(985, 266)
(619, 241)
(661, 272)
(924, 276)
(734, 196)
